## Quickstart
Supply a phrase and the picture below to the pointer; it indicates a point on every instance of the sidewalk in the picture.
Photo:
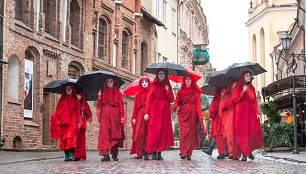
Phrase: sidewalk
(8, 157)
(288, 156)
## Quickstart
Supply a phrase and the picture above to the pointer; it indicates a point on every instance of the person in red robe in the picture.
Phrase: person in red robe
(189, 116)
(140, 126)
(216, 123)
(227, 115)
(158, 114)
(65, 121)
(86, 116)
(247, 130)
(111, 116)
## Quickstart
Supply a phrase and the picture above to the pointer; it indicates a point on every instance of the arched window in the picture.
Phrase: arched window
(254, 46)
(75, 23)
(102, 39)
(262, 54)
(18, 9)
(75, 70)
(144, 57)
(125, 48)
(28, 84)
(13, 78)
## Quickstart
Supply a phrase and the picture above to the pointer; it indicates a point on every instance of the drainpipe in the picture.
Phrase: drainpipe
(1, 68)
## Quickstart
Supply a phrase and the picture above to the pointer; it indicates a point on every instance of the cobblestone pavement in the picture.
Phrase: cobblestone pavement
(200, 163)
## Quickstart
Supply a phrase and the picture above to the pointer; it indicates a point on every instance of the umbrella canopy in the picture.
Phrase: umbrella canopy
(219, 80)
(236, 69)
(92, 82)
(179, 79)
(133, 87)
(172, 68)
(208, 89)
(57, 86)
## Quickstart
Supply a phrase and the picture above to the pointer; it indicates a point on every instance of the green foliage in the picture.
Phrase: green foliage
(176, 134)
(271, 111)
(278, 135)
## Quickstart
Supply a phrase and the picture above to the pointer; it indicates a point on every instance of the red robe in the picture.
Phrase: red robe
(140, 130)
(216, 123)
(80, 150)
(110, 113)
(64, 120)
(160, 132)
(247, 130)
(190, 116)
(227, 115)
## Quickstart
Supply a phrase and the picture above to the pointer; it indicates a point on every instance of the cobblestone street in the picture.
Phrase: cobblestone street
(200, 163)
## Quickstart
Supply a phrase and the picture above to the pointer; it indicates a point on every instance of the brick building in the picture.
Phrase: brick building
(47, 40)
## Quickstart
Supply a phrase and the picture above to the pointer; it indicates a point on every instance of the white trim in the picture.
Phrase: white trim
(263, 12)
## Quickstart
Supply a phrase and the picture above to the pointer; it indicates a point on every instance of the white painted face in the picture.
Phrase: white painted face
(188, 81)
(144, 83)
(222, 92)
(161, 75)
(247, 77)
(110, 83)
(79, 96)
(69, 90)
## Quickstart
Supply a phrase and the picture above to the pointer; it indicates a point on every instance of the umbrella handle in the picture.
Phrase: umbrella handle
(82, 115)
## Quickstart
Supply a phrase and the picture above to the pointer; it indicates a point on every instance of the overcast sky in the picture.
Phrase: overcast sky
(228, 34)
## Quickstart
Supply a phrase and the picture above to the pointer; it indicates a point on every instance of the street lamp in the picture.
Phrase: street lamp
(286, 41)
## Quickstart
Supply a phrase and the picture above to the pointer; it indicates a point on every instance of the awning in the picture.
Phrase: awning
(150, 17)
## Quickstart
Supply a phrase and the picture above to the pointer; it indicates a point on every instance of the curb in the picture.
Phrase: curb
(286, 159)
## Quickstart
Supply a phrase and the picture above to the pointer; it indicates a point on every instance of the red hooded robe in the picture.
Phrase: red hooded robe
(80, 151)
(64, 120)
(160, 132)
(140, 129)
(216, 123)
(247, 130)
(227, 115)
(189, 115)
(110, 113)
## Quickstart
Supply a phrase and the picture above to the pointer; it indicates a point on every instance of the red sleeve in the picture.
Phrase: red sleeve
(170, 96)
(121, 107)
(78, 110)
(99, 106)
(177, 101)
(135, 106)
(214, 107)
(149, 100)
(87, 112)
(236, 96)
(199, 112)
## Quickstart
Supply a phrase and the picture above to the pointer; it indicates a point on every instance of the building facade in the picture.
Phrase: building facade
(193, 33)
(53, 39)
(266, 18)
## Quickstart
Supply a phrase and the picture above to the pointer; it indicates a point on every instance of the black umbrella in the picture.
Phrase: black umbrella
(92, 82)
(172, 68)
(208, 89)
(236, 69)
(219, 80)
(57, 86)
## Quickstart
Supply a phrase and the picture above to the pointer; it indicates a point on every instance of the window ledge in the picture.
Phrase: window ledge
(174, 34)
(12, 101)
(76, 48)
(30, 123)
(49, 36)
(23, 25)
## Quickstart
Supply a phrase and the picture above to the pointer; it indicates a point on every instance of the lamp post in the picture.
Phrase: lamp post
(286, 41)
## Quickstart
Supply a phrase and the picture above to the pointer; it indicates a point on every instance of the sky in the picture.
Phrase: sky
(228, 34)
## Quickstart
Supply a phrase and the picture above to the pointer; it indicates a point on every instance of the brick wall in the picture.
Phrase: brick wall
(52, 57)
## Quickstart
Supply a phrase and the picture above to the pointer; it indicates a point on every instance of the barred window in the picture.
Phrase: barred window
(102, 39)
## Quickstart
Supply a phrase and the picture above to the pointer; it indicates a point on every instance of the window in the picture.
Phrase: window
(158, 57)
(157, 9)
(115, 54)
(124, 49)
(165, 12)
(94, 35)
(134, 63)
(18, 9)
(13, 78)
(75, 23)
(37, 7)
(47, 15)
(102, 38)
(174, 21)
(144, 57)
(165, 59)
(28, 88)
(63, 16)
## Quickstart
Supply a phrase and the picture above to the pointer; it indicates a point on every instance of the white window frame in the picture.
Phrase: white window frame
(165, 12)
(115, 54)
(174, 21)
(157, 9)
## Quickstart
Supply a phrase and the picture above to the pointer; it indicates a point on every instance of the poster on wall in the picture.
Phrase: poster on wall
(28, 89)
